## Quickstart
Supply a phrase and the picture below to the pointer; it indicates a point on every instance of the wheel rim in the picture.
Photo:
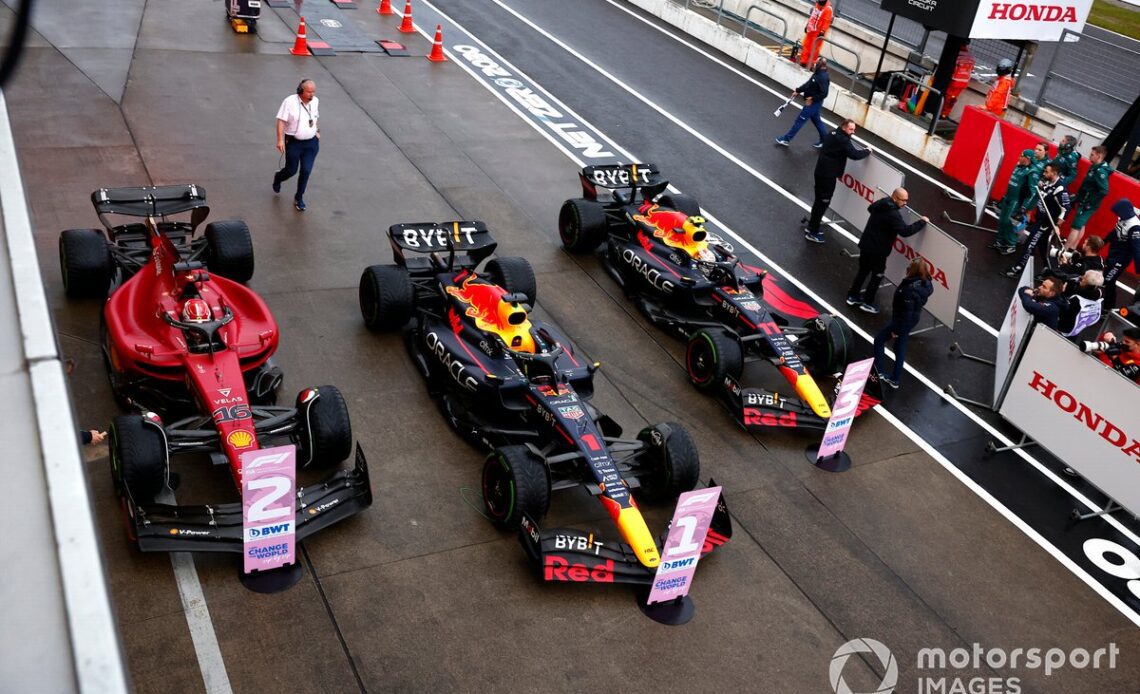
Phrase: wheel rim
(498, 491)
(701, 359)
(566, 227)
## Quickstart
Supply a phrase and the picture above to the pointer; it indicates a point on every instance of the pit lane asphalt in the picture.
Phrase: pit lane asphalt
(419, 593)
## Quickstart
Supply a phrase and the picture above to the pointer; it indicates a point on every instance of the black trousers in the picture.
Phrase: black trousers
(872, 266)
(824, 189)
(1039, 241)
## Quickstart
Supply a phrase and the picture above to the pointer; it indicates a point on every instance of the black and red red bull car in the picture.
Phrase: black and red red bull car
(189, 348)
(691, 283)
(517, 388)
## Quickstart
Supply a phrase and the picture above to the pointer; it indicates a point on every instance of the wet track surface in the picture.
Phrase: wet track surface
(420, 593)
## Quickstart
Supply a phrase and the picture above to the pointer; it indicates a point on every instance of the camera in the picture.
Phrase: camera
(1109, 348)
(1065, 256)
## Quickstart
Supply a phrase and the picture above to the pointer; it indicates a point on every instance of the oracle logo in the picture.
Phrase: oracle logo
(1017, 12)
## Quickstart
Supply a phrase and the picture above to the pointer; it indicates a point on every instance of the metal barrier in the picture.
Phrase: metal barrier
(747, 15)
(1095, 96)
(907, 78)
(856, 70)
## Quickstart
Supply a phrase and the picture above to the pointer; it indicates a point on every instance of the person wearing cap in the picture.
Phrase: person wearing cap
(1123, 248)
(998, 97)
(1015, 203)
(814, 91)
(1093, 191)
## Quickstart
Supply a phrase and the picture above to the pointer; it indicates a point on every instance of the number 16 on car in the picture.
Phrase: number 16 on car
(683, 547)
(269, 507)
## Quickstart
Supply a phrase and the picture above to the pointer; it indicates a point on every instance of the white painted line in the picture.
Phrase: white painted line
(743, 75)
(91, 623)
(998, 436)
(706, 141)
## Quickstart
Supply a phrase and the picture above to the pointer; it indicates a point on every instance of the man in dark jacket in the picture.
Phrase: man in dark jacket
(1045, 302)
(837, 149)
(1123, 248)
(884, 226)
(1053, 203)
(814, 91)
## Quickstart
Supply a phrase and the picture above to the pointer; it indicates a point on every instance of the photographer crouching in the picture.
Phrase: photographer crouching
(1123, 355)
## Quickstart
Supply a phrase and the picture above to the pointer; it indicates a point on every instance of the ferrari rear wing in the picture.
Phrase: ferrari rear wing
(572, 555)
(172, 528)
(152, 201)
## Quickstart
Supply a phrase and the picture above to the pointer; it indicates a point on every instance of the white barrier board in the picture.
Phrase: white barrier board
(864, 182)
(987, 172)
(946, 259)
(1082, 411)
(1011, 337)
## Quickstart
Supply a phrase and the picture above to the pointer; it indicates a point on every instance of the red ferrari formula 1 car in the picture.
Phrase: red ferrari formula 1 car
(515, 387)
(691, 283)
(190, 347)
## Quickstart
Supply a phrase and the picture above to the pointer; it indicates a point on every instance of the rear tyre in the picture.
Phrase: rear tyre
(682, 203)
(832, 338)
(675, 464)
(711, 355)
(582, 225)
(515, 482)
(330, 429)
(229, 250)
(86, 263)
(138, 458)
(515, 275)
(387, 297)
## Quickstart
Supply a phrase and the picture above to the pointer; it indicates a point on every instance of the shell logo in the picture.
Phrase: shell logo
(174, 531)
(240, 438)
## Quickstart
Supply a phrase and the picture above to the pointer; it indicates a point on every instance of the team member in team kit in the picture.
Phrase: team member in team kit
(1123, 248)
(814, 91)
(818, 23)
(1052, 205)
(1067, 159)
(1015, 203)
(837, 149)
(298, 138)
(1123, 355)
(1091, 194)
(883, 227)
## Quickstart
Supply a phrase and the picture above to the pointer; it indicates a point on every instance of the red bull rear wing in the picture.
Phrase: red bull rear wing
(644, 177)
(470, 238)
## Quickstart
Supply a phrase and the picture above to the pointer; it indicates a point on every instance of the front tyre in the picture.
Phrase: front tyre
(675, 465)
(515, 482)
(229, 250)
(832, 339)
(329, 428)
(387, 297)
(711, 355)
(582, 225)
(138, 458)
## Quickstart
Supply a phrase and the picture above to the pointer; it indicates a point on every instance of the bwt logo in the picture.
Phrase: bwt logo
(876, 648)
(270, 530)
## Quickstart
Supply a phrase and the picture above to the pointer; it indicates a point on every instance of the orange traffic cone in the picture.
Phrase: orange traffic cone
(301, 45)
(406, 26)
(436, 54)
(385, 7)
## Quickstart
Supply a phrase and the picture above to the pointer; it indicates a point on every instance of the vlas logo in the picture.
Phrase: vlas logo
(879, 650)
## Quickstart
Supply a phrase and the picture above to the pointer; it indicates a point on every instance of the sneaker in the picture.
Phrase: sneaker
(299, 204)
(889, 382)
(1007, 250)
(996, 245)
(814, 236)
(868, 308)
(782, 142)
(1014, 271)
(276, 185)
(818, 145)
(854, 301)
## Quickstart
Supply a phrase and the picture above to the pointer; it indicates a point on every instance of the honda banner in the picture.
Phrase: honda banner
(682, 548)
(269, 507)
(944, 257)
(1082, 411)
(864, 182)
(987, 172)
(1032, 20)
(1011, 337)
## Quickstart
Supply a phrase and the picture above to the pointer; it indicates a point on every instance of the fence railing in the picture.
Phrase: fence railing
(1100, 95)
(918, 85)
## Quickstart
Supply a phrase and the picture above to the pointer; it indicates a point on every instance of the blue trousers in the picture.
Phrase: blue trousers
(810, 112)
(900, 348)
(298, 153)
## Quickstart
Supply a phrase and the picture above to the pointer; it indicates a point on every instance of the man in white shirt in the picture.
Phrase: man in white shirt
(298, 137)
